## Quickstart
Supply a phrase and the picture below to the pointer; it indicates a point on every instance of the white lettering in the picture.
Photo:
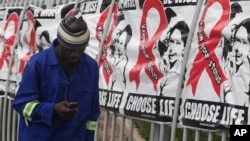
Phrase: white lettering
(114, 100)
(166, 107)
(102, 98)
(141, 104)
(239, 132)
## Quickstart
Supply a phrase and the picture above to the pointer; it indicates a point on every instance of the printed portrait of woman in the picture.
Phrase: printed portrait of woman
(171, 51)
(237, 65)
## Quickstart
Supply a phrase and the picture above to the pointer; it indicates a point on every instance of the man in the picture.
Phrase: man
(54, 78)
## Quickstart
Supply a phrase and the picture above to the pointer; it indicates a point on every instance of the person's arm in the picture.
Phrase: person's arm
(95, 109)
(27, 103)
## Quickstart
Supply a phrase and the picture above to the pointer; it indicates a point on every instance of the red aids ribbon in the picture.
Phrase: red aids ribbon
(146, 58)
(206, 58)
(8, 43)
(29, 39)
(107, 70)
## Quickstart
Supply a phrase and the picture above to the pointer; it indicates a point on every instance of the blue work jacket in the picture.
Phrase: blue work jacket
(45, 83)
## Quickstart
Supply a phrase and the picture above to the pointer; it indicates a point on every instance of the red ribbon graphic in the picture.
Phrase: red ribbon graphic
(206, 58)
(146, 58)
(107, 69)
(8, 43)
(31, 41)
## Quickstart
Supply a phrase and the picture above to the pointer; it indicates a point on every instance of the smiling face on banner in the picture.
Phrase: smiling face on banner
(241, 43)
(171, 48)
(176, 46)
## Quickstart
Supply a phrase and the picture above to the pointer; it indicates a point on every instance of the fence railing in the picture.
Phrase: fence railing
(108, 121)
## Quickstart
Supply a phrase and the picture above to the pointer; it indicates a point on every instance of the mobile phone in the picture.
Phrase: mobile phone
(73, 105)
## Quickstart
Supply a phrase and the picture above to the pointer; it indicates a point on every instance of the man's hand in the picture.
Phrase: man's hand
(63, 110)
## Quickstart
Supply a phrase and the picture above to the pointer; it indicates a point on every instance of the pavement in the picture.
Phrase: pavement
(136, 135)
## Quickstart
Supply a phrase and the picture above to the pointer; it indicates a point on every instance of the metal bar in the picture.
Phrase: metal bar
(185, 133)
(76, 3)
(9, 3)
(223, 135)
(113, 127)
(183, 67)
(18, 117)
(4, 119)
(131, 130)
(106, 27)
(167, 133)
(155, 130)
(8, 128)
(152, 131)
(105, 127)
(14, 128)
(1, 116)
(96, 136)
(210, 136)
(51, 3)
(122, 126)
(6, 3)
(197, 135)
(162, 130)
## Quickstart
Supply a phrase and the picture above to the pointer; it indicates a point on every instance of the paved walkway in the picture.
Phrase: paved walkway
(136, 135)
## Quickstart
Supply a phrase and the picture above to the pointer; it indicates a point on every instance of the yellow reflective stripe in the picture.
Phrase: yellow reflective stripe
(28, 109)
(91, 125)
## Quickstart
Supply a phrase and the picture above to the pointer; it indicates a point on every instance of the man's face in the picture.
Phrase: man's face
(71, 55)
(176, 46)
(241, 46)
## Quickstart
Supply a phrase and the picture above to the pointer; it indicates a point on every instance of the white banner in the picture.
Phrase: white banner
(216, 89)
(9, 22)
(142, 56)
(142, 59)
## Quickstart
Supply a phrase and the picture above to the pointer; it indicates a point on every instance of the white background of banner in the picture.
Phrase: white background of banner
(142, 95)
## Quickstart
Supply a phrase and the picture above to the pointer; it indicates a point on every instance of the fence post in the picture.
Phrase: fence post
(182, 73)
(154, 132)
(105, 30)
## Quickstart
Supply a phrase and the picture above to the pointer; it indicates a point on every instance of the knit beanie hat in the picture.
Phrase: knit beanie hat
(73, 32)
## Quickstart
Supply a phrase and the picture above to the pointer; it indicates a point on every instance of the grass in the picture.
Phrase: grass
(143, 128)
(144, 131)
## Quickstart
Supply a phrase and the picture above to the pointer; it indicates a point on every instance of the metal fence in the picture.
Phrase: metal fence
(108, 121)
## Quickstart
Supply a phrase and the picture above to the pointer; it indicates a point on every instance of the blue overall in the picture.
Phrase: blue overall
(43, 84)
